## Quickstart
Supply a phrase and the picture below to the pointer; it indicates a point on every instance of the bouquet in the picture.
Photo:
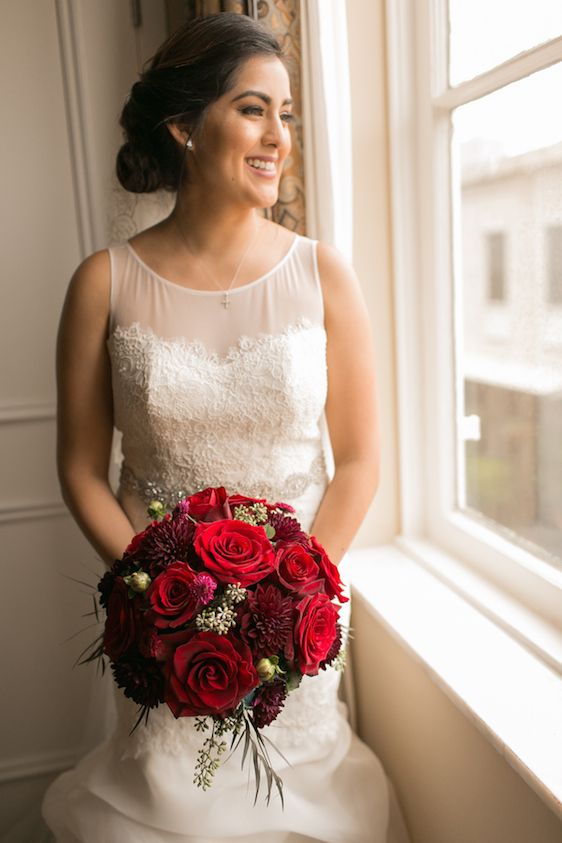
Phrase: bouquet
(217, 610)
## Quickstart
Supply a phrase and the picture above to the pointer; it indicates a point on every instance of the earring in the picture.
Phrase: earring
(189, 144)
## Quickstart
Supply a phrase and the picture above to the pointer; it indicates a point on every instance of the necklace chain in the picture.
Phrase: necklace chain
(226, 298)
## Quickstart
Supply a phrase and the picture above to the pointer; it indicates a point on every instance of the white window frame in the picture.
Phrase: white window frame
(519, 588)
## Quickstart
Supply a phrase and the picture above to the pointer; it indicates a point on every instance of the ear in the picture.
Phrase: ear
(179, 133)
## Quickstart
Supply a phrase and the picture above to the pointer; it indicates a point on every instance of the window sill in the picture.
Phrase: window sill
(509, 693)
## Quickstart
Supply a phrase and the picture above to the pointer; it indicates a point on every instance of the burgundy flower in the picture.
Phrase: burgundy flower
(142, 679)
(334, 649)
(244, 500)
(175, 595)
(314, 633)
(287, 529)
(233, 551)
(297, 569)
(328, 571)
(266, 620)
(204, 588)
(122, 620)
(165, 542)
(105, 587)
(208, 674)
(210, 505)
(268, 702)
(150, 643)
(181, 508)
(137, 541)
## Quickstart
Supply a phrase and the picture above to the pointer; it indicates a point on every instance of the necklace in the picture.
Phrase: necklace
(226, 297)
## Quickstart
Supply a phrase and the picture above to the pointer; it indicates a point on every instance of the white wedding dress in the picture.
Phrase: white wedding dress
(210, 396)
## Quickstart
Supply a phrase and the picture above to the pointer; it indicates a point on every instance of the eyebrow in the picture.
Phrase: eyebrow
(265, 97)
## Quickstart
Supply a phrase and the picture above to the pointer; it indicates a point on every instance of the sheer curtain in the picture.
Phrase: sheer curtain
(327, 123)
(326, 102)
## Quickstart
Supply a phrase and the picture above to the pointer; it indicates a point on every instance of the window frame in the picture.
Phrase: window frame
(518, 587)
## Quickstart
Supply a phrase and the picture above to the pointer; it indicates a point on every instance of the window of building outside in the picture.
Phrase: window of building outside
(495, 248)
(482, 88)
(554, 254)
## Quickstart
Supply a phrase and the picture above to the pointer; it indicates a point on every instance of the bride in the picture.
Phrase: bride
(230, 352)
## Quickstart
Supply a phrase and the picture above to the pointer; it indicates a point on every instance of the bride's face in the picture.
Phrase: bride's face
(240, 148)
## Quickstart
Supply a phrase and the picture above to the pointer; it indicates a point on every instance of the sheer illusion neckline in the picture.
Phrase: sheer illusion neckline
(216, 292)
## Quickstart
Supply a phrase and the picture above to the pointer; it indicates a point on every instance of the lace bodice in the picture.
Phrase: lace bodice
(205, 396)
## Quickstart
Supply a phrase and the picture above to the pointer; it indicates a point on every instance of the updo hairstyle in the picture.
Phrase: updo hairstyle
(195, 66)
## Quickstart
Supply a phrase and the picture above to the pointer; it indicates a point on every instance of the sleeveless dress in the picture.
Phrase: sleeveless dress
(211, 396)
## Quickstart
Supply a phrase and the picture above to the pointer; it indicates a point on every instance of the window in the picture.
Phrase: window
(554, 263)
(495, 251)
(476, 139)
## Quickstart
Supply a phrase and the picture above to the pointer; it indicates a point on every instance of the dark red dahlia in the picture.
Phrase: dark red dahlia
(142, 679)
(105, 587)
(266, 620)
(334, 649)
(166, 542)
(287, 529)
(268, 702)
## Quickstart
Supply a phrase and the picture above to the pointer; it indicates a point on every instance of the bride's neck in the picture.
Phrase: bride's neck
(211, 230)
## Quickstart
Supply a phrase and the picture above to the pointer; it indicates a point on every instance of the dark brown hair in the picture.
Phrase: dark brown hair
(195, 66)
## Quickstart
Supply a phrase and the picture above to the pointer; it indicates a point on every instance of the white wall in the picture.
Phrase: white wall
(60, 93)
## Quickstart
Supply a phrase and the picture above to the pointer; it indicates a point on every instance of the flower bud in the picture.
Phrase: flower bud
(156, 509)
(266, 669)
(139, 581)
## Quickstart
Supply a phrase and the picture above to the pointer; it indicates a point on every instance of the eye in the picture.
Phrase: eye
(252, 109)
(258, 110)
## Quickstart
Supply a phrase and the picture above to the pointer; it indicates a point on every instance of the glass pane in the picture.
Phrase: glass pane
(484, 33)
(507, 192)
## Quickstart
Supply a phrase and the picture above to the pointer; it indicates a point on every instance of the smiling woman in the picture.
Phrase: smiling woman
(252, 391)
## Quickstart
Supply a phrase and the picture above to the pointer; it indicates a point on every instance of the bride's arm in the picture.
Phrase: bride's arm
(85, 410)
(351, 406)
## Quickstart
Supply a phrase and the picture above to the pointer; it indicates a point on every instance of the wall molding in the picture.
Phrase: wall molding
(27, 412)
(41, 764)
(10, 513)
(74, 95)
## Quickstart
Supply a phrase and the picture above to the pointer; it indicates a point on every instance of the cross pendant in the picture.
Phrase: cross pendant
(226, 301)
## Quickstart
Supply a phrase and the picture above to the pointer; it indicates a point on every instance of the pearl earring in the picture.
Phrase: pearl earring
(189, 144)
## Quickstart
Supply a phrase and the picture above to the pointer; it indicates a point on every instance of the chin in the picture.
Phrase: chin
(267, 201)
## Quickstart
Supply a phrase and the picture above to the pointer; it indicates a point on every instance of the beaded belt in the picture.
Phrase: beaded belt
(290, 488)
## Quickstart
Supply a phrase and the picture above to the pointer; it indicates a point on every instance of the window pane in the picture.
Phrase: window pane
(495, 247)
(484, 33)
(508, 191)
(554, 258)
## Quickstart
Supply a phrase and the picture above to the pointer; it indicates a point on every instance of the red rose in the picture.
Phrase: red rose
(297, 570)
(121, 622)
(314, 633)
(244, 500)
(234, 551)
(150, 644)
(174, 599)
(328, 571)
(137, 540)
(209, 674)
(209, 505)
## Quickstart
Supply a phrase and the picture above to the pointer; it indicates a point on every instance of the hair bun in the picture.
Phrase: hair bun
(137, 170)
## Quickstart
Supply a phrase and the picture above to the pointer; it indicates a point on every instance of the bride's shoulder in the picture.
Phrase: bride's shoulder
(89, 289)
(338, 278)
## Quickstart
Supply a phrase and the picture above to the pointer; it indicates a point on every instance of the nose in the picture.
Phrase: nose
(275, 130)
